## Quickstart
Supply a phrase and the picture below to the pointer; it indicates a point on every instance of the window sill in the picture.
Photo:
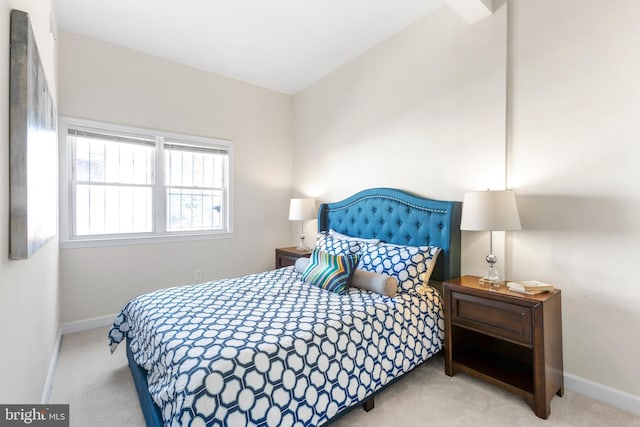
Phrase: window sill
(142, 240)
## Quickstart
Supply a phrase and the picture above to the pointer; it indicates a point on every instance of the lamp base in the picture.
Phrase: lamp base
(491, 276)
(301, 246)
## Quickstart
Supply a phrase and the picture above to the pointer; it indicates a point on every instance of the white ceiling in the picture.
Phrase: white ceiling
(283, 45)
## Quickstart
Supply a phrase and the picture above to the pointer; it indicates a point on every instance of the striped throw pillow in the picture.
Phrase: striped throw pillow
(330, 272)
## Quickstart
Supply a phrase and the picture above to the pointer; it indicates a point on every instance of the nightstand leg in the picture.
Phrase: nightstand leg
(542, 407)
(448, 368)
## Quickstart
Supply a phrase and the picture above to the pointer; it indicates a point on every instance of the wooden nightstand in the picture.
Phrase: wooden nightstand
(505, 338)
(288, 256)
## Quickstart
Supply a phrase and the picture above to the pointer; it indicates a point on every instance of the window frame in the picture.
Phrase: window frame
(159, 233)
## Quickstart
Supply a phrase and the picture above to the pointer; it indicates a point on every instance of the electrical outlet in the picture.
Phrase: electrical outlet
(197, 274)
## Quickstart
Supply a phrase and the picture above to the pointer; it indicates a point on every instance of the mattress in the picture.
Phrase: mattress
(268, 349)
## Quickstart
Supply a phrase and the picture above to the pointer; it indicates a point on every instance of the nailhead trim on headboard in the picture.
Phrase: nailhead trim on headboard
(400, 201)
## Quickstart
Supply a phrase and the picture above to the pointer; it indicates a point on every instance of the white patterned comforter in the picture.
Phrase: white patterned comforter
(267, 349)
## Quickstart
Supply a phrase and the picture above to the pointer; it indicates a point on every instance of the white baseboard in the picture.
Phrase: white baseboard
(602, 393)
(69, 328)
(51, 372)
(85, 325)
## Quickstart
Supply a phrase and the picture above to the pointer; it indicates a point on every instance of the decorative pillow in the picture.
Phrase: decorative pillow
(330, 272)
(411, 265)
(333, 233)
(301, 264)
(378, 283)
(424, 277)
(336, 246)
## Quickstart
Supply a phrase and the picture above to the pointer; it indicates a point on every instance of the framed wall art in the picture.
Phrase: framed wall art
(33, 147)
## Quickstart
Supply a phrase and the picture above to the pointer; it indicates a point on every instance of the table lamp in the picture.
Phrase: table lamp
(301, 210)
(490, 211)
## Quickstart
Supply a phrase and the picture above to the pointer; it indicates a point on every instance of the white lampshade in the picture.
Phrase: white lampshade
(490, 211)
(302, 209)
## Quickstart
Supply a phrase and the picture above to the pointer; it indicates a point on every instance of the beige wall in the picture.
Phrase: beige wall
(29, 312)
(101, 81)
(574, 165)
(423, 111)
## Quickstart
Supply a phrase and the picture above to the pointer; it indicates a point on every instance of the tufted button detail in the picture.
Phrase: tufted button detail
(389, 221)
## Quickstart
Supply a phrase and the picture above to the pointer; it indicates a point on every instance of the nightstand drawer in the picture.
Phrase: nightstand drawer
(500, 319)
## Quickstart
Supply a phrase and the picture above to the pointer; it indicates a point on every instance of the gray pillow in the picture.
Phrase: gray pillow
(301, 264)
(375, 282)
(368, 280)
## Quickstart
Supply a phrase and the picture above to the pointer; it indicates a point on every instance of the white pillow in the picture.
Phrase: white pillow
(368, 280)
(337, 246)
(333, 233)
(411, 265)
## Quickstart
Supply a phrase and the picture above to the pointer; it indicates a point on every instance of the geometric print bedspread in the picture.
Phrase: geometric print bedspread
(269, 350)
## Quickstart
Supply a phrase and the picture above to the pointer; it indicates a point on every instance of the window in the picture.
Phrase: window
(194, 179)
(124, 183)
(112, 181)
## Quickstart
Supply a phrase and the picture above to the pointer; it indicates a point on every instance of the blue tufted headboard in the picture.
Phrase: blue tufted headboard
(395, 216)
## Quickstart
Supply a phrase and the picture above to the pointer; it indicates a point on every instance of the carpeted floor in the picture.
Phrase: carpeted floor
(100, 391)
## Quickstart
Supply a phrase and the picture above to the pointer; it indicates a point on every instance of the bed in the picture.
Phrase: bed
(271, 349)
